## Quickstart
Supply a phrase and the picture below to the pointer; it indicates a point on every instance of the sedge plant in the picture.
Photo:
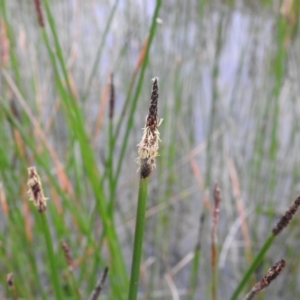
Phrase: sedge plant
(147, 150)
(36, 194)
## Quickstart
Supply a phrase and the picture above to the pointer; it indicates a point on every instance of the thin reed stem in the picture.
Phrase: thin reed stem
(148, 151)
(73, 282)
(111, 148)
(196, 260)
(217, 200)
(138, 239)
(51, 256)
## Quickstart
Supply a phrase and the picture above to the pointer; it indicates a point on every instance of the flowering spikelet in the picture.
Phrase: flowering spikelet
(35, 192)
(148, 147)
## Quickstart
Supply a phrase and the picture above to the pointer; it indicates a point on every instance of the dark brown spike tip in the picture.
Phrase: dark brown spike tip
(269, 277)
(287, 217)
(152, 120)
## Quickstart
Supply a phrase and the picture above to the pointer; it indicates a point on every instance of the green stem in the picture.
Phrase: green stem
(138, 239)
(194, 273)
(51, 257)
(110, 170)
(253, 266)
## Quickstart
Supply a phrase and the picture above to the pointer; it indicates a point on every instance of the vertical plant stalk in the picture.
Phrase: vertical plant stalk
(148, 150)
(111, 147)
(280, 225)
(138, 239)
(214, 104)
(266, 280)
(69, 260)
(36, 194)
(217, 200)
(196, 260)
(51, 256)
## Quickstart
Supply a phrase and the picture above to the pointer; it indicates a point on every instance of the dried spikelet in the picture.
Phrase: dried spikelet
(286, 217)
(35, 192)
(148, 147)
(67, 254)
(271, 275)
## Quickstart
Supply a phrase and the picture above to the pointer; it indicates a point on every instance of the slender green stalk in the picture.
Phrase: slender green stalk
(194, 272)
(148, 151)
(110, 170)
(74, 285)
(51, 256)
(138, 239)
(253, 266)
(214, 250)
(196, 260)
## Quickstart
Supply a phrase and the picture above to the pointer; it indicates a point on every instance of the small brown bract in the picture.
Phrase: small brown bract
(35, 192)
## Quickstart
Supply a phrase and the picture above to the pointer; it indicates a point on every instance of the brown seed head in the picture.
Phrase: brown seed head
(286, 217)
(269, 277)
(148, 147)
(67, 254)
(35, 192)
